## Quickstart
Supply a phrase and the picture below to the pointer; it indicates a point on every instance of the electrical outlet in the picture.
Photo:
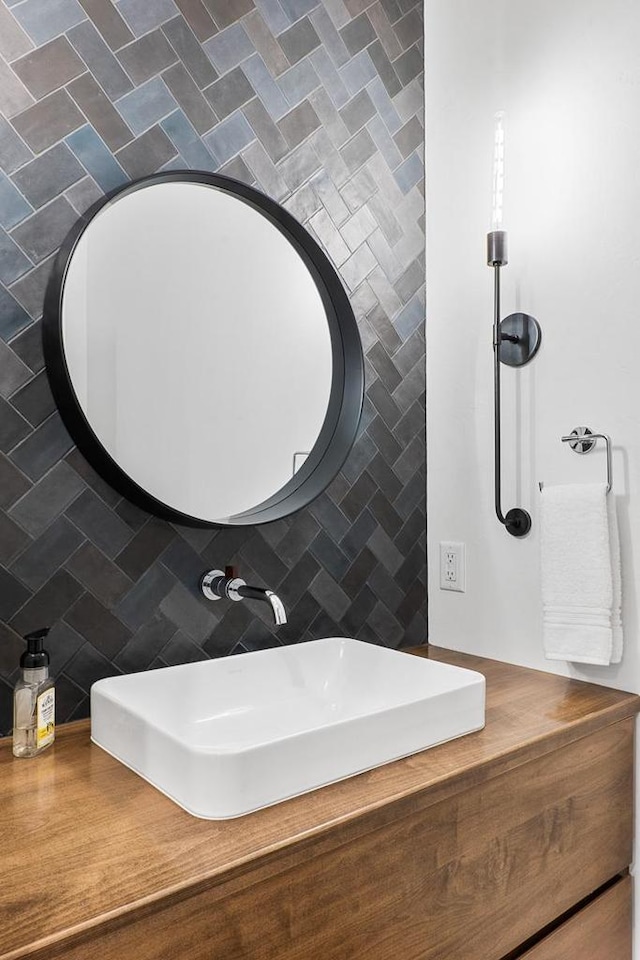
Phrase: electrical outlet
(452, 567)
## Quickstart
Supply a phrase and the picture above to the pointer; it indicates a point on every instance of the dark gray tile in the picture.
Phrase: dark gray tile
(95, 157)
(385, 625)
(13, 150)
(409, 137)
(229, 48)
(180, 649)
(35, 401)
(145, 645)
(411, 531)
(106, 18)
(97, 625)
(329, 595)
(266, 563)
(47, 605)
(144, 599)
(296, 582)
(43, 502)
(188, 95)
(358, 150)
(358, 34)
(146, 154)
(359, 610)
(13, 40)
(133, 516)
(384, 440)
(13, 540)
(297, 125)
(143, 17)
(68, 697)
(13, 372)
(91, 478)
(145, 547)
(98, 574)
(13, 595)
(44, 447)
(13, 427)
(49, 67)
(193, 618)
(299, 165)
(87, 667)
(29, 291)
(48, 121)
(148, 56)
(185, 564)
(43, 233)
(265, 43)
(357, 537)
(330, 556)
(408, 66)
(357, 112)
(358, 496)
(13, 263)
(299, 40)
(14, 96)
(28, 345)
(47, 554)
(44, 20)
(12, 647)
(100, 524)
(84, 194)
(13, 484)
(228, 138)
(266, 130)
(99, 59)
(385, 478)
(409, 29)
(100, 112)
(198, 18)
(230, 92)
(190, 52)
(226, 12)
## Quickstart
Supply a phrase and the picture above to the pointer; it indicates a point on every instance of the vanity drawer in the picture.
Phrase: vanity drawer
(474, 876)
(599, 931)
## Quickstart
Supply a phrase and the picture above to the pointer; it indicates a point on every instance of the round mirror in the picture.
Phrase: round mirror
(202, 351)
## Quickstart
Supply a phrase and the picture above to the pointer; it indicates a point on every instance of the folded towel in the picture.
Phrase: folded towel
(581, 590)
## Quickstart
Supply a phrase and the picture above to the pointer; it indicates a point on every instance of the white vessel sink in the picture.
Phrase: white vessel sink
(228, 736)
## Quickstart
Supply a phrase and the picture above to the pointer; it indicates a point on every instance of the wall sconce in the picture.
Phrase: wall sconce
(516, 338)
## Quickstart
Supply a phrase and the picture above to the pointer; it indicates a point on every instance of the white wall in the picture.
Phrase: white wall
(568, 74)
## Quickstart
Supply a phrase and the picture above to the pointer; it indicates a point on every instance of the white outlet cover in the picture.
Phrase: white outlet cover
(452, 566)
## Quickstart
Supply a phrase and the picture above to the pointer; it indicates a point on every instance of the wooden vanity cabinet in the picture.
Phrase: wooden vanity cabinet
(511, 843)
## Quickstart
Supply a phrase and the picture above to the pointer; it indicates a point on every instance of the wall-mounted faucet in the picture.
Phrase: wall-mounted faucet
(215, 584)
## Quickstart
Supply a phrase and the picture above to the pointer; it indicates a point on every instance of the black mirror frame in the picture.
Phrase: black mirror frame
(344, 410)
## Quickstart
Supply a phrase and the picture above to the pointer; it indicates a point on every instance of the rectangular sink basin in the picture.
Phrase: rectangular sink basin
(228, 736)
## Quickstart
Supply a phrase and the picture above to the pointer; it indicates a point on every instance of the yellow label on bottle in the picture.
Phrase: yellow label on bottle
(46, 717)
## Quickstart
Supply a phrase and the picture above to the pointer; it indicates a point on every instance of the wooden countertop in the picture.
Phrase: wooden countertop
(86, 842)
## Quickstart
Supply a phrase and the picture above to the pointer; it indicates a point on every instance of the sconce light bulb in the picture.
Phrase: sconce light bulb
(497, 206)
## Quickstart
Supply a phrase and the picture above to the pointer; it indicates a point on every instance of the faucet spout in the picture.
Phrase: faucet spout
(257, 593)
(216, 584)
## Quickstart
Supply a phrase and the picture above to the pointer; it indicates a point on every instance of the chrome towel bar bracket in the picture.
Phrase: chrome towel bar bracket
(583, 440)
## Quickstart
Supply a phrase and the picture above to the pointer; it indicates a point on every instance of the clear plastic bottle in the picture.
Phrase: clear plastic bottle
(34, 700)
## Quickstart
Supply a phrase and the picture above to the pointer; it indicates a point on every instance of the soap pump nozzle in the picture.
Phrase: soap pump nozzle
(35, 656)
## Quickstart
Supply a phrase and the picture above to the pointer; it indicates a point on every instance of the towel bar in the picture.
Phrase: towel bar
(582, 440)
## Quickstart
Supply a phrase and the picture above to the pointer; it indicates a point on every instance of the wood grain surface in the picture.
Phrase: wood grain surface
(600, 931)
(87, 843)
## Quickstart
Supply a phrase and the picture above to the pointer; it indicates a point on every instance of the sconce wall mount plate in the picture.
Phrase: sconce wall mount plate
(519, 336)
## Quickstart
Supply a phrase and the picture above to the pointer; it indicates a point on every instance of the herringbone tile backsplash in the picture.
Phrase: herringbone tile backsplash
(319, 104)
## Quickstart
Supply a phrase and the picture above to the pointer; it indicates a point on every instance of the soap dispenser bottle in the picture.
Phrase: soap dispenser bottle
(34, 700)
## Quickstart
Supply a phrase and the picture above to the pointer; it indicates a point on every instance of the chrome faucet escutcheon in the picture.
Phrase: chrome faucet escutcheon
(216, 584)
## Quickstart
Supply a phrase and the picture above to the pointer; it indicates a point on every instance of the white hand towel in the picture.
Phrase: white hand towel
(580, 575)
